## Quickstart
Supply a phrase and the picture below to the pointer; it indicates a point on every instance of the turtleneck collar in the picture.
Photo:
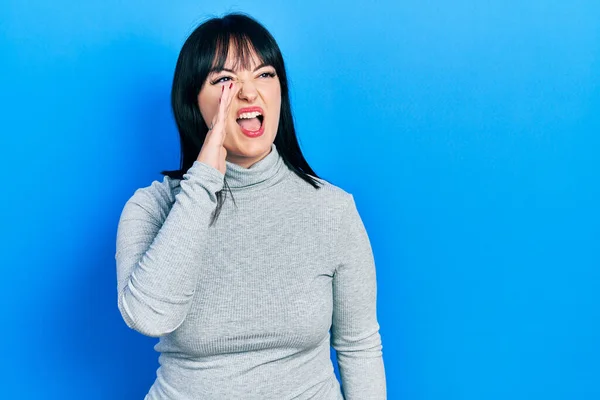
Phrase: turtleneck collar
(264, 173)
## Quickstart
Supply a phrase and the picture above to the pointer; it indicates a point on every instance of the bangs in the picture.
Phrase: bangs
(242, 47)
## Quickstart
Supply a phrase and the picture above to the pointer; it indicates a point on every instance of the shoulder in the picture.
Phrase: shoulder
(330, 196)
(157, 198)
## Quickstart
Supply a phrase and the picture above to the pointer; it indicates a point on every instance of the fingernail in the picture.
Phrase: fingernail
(222, 88)
(230, 85)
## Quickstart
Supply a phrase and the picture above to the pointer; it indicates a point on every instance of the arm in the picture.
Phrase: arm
(158, 257)
(355, 330)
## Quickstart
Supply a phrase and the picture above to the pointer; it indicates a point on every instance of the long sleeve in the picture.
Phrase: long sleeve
(158, 250)
(355, 329)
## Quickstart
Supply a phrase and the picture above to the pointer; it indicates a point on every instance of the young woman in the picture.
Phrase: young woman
(245, 263)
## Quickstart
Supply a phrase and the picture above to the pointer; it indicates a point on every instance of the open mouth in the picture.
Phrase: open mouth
(251, 124)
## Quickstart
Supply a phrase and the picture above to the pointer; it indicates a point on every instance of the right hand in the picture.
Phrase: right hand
(213, 152)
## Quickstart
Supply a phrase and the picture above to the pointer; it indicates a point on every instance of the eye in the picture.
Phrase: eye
(220, 80)
(269, 74)
(224, 79)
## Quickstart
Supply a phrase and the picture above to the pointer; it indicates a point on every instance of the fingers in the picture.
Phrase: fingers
(220, 120)
(226, 102)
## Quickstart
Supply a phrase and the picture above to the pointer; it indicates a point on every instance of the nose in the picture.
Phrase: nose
(247, 91)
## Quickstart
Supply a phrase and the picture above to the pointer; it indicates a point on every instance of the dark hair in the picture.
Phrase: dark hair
(209, 40)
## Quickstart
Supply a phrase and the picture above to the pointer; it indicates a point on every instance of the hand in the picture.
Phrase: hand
(213, 152)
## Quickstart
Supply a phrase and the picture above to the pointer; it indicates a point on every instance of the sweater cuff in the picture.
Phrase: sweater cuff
(209, 177)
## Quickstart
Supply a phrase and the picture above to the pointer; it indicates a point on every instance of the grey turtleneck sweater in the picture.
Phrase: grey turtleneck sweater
(244, 308)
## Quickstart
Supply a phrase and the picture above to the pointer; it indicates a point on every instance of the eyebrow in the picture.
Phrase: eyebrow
(217, 70)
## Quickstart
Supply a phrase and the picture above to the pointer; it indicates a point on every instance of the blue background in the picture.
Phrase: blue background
(467, 131)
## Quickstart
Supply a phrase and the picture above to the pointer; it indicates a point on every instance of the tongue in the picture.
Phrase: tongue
(252, 124)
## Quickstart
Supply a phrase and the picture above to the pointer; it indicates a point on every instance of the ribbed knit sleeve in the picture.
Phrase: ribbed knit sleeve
(158, 250)
(355, 329)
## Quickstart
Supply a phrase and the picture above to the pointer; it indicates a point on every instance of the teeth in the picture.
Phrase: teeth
(249, 115)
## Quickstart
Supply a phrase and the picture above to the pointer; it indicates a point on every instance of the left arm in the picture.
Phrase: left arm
(355, 330)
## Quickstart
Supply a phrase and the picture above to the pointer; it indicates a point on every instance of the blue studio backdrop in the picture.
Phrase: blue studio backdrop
(467, 131)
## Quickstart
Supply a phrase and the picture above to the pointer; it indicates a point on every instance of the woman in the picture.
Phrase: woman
(243, 293)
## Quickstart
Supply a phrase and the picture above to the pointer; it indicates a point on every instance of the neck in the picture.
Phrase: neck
(263, 173)
(247, 162)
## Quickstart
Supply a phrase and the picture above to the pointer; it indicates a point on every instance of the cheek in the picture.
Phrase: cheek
(275, 98)
(208, 105)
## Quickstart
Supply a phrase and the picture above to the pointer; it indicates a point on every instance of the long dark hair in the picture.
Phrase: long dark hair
(209, 40)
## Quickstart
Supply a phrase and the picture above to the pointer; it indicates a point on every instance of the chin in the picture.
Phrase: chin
(250, 147)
